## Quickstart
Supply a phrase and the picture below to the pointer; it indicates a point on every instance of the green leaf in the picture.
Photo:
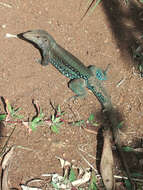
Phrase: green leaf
(120, 125)
(136, 175)
(95, 124)
(92, 185)
(141, 67)
(128, 184)
(39, 123)
(79, 123)
(53, 117)
(2, 117)
(18, 109)
(91, 117)
(127, 149)
(41, 115)
(36, 120)
(9, 107)
(18, 116)
(57, 120)
(55, 185)
(72, 176)
(141, 1)
(96, 4)
(55, 129)
(59, 109)
(39, 118)
(33, 126)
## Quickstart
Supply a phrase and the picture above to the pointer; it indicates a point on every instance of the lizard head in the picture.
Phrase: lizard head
(40, 38)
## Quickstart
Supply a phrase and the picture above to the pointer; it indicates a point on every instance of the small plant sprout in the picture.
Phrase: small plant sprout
(83, 123)
(92, 4)
(91, 120)
(120, 125)
(56, 120)
(72, 175)
(36, 121)
(11, 112)
(2, 117)
(79, 123)
(59, 112)
(92, 185)
(127, 149)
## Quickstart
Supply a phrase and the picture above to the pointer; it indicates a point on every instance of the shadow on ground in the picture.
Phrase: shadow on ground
(105, 124)
(126, 23)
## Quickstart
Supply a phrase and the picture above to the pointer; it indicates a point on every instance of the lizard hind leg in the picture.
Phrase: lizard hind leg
(78, 86)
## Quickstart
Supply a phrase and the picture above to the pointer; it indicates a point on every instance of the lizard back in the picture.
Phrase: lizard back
(68, 64)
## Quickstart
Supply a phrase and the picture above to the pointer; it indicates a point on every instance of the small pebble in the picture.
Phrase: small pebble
(3, 26)
(49, 22)
(106, 41)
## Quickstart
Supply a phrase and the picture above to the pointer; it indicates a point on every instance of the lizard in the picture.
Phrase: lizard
(81, 76)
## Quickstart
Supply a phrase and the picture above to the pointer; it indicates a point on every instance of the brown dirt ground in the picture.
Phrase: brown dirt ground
(101, 38)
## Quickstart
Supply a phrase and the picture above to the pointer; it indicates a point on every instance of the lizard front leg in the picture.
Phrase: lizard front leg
(78, 86)
(45, 58)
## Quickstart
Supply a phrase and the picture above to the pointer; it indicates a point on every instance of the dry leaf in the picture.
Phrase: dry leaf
(5, 166)
(24, 187)
(106, 165)
(7, 157)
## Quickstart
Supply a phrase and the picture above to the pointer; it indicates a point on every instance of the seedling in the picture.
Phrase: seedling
(56, 120)
(92, 185)
(37, 121)
(120, 125)
(72, 175)
(96, 4)
(11, 112)
(79, 123)
(83, 123)
(2, 117)
(91, 120)
(91, 7)
(128, 184)
(127, 149)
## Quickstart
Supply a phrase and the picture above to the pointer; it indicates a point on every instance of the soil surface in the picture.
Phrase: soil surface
(105, 36)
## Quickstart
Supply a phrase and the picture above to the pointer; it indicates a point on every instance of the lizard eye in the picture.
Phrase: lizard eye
(38, 36)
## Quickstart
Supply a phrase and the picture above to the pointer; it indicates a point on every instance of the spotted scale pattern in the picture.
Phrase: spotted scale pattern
(99, 95)
(66, 69)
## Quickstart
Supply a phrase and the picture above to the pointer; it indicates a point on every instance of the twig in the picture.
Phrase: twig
(120, 82)
(4, 147)
(88, 162)
(89, 155)
(5, 5)
(90, 5)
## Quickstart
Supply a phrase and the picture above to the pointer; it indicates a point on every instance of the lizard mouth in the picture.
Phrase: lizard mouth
(21, 36)
(24, 36)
